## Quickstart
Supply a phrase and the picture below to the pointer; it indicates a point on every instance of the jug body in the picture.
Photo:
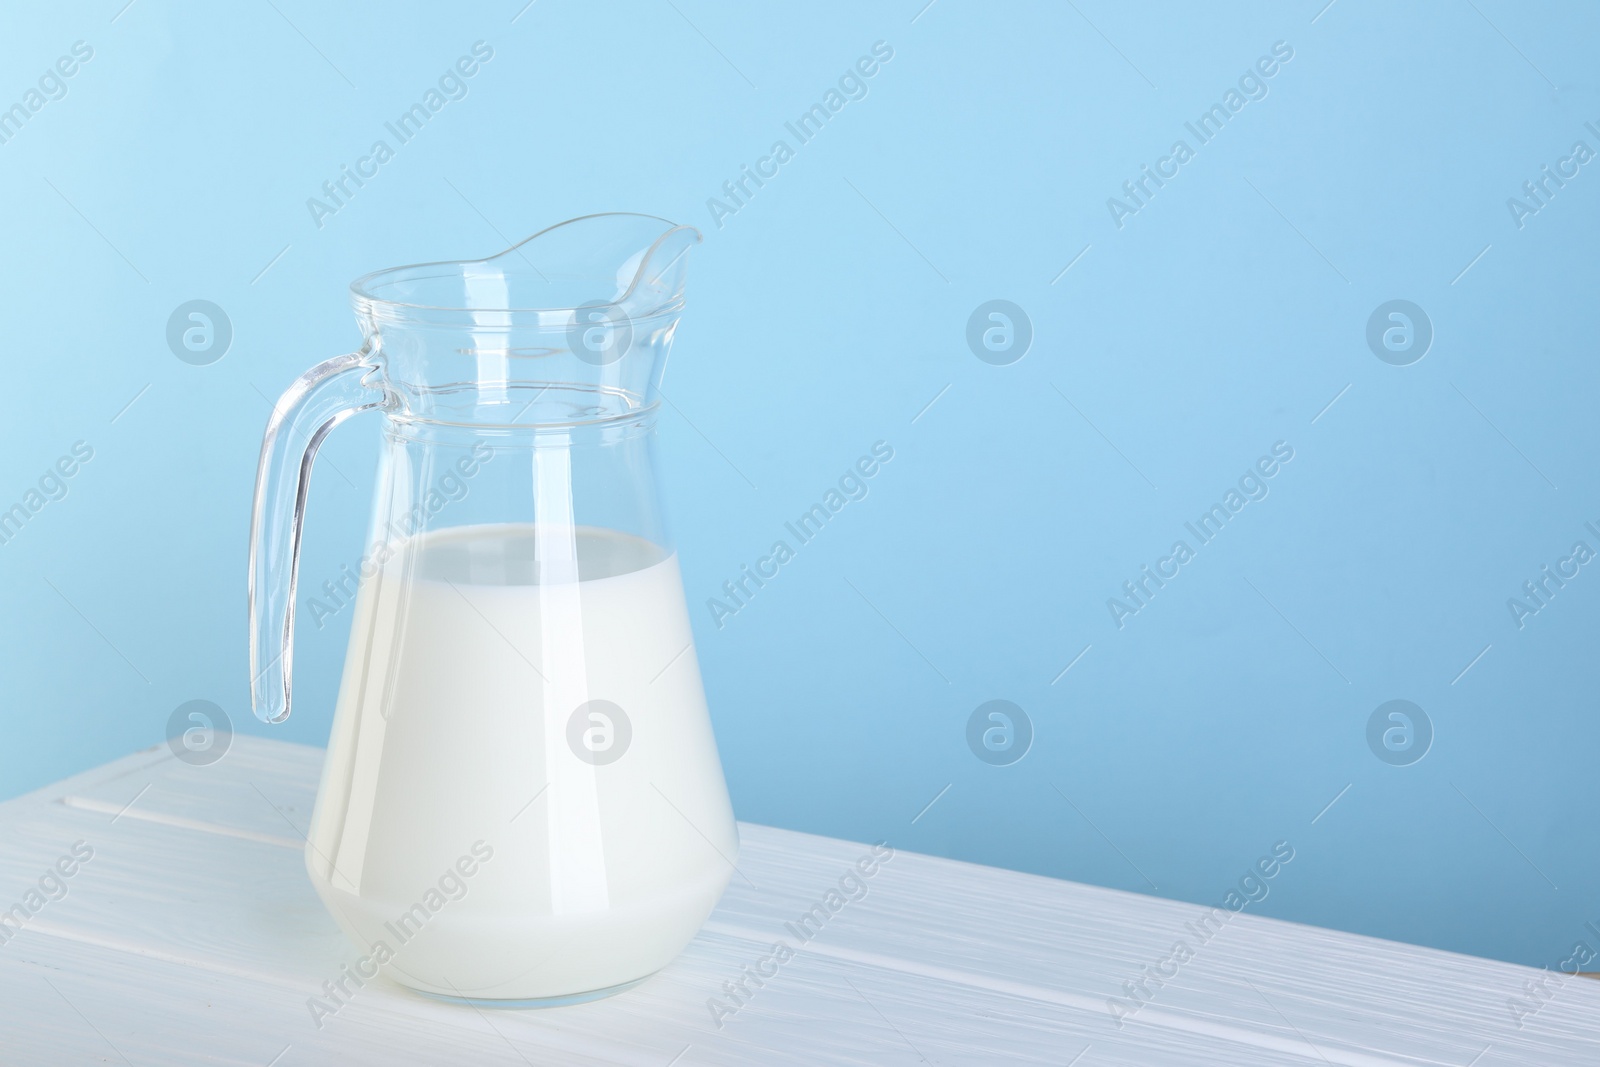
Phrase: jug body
(521, 765)
(522, 799)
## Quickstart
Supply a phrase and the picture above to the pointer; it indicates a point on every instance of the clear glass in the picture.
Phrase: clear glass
(522, 800)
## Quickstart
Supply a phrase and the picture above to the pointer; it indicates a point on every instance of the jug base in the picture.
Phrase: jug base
(534, 1002)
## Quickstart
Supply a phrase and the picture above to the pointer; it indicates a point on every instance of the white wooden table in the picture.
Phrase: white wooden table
(192, 936)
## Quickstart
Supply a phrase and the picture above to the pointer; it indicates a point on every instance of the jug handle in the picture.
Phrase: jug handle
(319, 400)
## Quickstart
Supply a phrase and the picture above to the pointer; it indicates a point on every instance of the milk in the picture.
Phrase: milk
(495, 848)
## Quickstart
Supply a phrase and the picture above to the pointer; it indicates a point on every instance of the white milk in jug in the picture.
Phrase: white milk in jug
(522, 797)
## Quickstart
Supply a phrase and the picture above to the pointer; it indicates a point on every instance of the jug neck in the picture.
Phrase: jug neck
(553, 419)
(516, 377)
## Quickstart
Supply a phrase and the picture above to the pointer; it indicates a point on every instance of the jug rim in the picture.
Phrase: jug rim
(366, 298)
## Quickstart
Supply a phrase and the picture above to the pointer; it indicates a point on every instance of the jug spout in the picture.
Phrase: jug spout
(660, 276)
(636, 263)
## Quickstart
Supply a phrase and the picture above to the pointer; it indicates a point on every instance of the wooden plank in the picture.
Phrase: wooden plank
(86, 1004)
(196, 908)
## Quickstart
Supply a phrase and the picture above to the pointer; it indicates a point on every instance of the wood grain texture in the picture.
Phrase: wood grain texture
(193, 937)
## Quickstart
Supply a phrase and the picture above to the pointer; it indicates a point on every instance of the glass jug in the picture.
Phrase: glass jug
(522, 800)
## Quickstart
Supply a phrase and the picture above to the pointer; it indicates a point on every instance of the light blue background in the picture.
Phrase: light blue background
(825, 316)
